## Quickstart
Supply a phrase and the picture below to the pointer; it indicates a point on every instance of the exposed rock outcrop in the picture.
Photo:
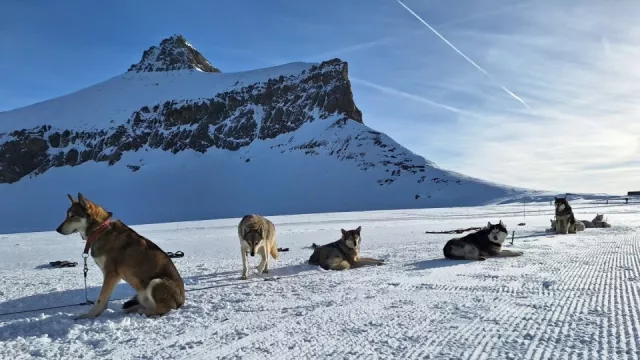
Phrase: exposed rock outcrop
(230, 120)
(174, 53)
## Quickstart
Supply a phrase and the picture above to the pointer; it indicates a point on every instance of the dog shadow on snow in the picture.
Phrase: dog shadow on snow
(230, 276)
(58, 322)
(435, 264)
(547, 233)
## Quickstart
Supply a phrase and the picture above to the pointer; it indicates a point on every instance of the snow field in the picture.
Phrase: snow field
(567, 297)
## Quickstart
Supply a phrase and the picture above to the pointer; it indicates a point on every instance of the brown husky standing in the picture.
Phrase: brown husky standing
(257, 234)
(342, 254)
(123, 254)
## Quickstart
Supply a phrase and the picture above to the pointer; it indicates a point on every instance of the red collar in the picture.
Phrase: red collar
(95, 234)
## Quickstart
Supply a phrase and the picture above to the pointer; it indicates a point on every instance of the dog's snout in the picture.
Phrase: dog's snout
(59, 230)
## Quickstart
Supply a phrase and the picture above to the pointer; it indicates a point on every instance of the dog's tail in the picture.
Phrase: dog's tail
(163, 294)
(274, 251)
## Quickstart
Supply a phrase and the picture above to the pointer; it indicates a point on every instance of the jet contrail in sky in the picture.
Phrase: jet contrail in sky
(465, 56)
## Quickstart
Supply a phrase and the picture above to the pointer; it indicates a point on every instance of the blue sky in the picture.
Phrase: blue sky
(574, 64)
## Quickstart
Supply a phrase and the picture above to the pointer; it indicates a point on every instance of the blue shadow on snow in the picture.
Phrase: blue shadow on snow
(60, 321)
(436, 263)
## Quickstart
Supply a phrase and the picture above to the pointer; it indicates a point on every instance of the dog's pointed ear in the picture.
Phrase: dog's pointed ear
(109, 214)
(358, 229)
(501, 223)
(489, 224)
(83, 200)
(73, 201)
(344, 232)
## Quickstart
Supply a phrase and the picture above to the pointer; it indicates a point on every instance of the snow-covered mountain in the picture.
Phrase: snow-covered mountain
(174, 139)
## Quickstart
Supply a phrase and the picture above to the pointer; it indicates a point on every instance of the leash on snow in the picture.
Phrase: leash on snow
(89, 302)
(85, 270)
(457, 231)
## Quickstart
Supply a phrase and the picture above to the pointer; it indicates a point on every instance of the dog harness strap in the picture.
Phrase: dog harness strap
(95, 234)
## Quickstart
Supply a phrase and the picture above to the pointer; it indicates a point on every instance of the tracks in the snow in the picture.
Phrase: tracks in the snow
(579, 300)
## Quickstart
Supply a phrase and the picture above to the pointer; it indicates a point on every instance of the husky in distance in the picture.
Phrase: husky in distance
(565, 220)
(587, 224)
(123, 254)
(342, 254)
(480, 245)
(257, 234)
(580, 225)
(599, 222)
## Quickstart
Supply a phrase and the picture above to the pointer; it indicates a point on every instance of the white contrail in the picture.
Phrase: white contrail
(465, 56)
(396, 92)
(485, 14)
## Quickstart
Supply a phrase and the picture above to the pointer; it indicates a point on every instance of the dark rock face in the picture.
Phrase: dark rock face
(395, 162)
(231, 120)
(174, 53)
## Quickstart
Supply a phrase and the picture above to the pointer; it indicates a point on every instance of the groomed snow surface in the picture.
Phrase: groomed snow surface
(567, 297)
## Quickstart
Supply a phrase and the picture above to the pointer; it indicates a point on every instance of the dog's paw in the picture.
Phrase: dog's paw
(265, 271)
(243, 277)
(482, 258)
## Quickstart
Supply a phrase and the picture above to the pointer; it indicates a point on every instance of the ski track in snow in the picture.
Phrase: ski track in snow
(567, 297)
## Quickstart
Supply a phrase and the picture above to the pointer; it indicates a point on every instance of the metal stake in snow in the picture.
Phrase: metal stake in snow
(513, 234)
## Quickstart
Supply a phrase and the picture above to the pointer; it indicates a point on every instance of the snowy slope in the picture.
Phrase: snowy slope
(279, 178)
(169, 141)
(567, 297)
(113, 101)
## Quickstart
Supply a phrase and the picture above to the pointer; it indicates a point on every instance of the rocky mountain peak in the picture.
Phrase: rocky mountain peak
(174, 53)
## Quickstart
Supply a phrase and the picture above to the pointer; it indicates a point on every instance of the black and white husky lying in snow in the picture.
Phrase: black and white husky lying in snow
(480, 245)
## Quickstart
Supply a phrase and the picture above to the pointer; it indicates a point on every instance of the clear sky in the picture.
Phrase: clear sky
(548, 96)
